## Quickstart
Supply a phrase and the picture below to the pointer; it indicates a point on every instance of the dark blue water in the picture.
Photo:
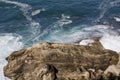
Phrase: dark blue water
(26, 22)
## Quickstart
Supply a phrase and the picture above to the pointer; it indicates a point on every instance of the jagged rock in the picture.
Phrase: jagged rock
(53, 61)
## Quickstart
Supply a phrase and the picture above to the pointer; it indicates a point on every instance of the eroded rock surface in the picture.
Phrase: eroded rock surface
(53, 61)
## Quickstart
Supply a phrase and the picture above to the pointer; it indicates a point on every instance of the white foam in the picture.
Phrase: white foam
(55, 28)
(65, 16)
(34, 24)
(105, 6)
(117, 19)
(115, 3)
(76, 33)
(111, 42)
(108, 36)
(25, 9)
(37, 11)
(64, 20)
(35, 27)
(16, 3)
(8, 43)
(86, 42)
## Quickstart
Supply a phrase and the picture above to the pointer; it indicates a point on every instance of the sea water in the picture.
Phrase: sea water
(26, 22)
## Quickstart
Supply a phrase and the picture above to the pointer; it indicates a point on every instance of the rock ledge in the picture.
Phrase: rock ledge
(53, 61)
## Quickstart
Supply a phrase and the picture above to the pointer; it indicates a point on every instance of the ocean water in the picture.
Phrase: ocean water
(26, 22)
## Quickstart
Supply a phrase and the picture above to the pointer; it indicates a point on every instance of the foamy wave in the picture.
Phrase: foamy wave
(109, 38)
(64, 20)
(35, 27)
(84, 35)
(117, 19)
(35, 24)
(105, 6)
(23, 5)
(76, 33)
(8, 43)
(115, 3)
(55, 28)
(25, 9)
(86, 42)
(37, 11)
(111, 42)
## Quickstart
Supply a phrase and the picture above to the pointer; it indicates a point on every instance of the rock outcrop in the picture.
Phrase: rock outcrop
(53, 61)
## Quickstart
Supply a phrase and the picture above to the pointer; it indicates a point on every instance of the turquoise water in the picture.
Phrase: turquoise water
(26, 22)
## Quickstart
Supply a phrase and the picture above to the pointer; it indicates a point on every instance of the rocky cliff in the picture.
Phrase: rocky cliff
(53, 61)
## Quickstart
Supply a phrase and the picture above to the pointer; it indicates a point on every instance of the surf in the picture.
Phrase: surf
(9, 42)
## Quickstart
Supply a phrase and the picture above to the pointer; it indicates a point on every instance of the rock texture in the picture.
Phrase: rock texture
(53, 61)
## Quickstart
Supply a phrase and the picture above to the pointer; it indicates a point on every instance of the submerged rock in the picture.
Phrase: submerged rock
(53, 61)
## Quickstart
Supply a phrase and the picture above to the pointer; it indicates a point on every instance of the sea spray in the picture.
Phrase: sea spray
(9, 42)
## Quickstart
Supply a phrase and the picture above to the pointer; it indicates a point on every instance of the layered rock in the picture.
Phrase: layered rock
(53, 61)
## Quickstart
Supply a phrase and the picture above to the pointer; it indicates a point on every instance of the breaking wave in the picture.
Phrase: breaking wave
(85, 34)
(8, 43)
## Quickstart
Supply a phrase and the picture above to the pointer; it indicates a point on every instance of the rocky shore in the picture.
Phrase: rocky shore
(54, 61)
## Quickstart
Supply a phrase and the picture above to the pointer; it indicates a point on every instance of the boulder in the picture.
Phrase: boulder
(57, 61)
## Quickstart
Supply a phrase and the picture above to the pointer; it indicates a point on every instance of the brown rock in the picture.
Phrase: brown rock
(48, 61)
